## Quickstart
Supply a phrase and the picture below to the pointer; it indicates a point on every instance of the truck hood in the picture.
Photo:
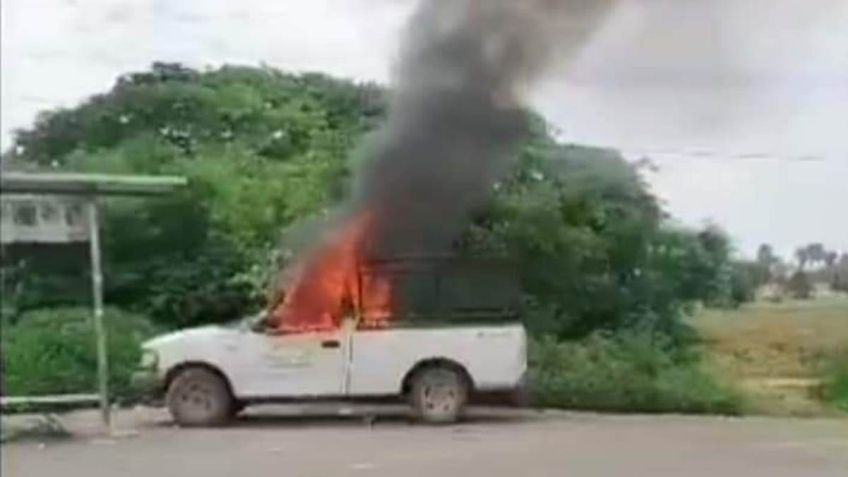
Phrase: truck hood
(201, 334)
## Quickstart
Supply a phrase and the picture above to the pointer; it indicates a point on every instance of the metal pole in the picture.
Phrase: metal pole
(97, 294)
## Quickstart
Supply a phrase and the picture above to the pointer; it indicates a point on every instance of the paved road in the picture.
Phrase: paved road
(492, 444)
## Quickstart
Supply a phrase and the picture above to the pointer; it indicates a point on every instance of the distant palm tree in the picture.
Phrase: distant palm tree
(803, 256)
(767, 261)
(830, 259)
(816, 253)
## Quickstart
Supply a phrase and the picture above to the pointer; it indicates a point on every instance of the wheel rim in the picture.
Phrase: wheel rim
(441, 394)
(195, 402)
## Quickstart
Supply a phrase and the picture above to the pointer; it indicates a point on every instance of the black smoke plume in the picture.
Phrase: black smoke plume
(458, 112)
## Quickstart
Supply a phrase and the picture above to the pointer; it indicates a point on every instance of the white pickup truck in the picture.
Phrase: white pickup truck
(453, 336)
(209, 374)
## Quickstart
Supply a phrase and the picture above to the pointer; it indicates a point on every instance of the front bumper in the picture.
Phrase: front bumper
(148, 386)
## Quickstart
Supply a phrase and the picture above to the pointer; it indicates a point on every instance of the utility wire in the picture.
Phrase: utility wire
(710, 154)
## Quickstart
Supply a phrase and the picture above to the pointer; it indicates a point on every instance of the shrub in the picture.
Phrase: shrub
(52, 351)
(625, 373)
(836, 381)
(799, 286)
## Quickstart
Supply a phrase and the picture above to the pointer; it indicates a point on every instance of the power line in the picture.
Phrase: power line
(711, 154)
(707, 153)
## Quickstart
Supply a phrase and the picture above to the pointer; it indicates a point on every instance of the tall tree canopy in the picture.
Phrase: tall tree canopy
(266, 150)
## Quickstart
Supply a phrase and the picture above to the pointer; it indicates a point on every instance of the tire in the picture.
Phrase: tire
(197, 397)
(438, 394)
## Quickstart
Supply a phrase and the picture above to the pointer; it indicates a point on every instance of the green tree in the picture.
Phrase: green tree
(803, 256)
(767, 259)
(816, 253)
(593, 246)
(839, 281)
(746, 279)
(267, 151)
(799, 286)
(830, 259)
(813, 253)
(261, 148)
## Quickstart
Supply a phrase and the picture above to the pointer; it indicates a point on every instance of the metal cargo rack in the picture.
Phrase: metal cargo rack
(443, 289)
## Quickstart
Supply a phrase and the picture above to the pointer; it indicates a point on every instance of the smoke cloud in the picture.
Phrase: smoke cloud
(458, 111)
(456, 114)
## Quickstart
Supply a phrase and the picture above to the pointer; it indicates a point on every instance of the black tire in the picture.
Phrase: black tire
(198, 397)
(438, 394)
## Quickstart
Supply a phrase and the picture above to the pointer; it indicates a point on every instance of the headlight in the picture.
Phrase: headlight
(149, 359)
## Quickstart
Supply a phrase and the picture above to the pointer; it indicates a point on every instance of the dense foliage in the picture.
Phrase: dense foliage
(261, 148)
(594, 247)
(836, 380)
(633, 372)
(51, 351)
(265, 150)
(799, 286)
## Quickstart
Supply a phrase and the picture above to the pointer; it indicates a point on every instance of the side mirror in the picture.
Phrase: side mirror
(264, 326)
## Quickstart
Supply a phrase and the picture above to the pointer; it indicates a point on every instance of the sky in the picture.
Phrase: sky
(742, 104)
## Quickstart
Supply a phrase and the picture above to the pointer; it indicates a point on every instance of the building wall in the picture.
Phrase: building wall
(42, 219)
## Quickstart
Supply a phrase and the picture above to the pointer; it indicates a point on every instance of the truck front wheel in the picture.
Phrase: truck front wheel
(438, 394)
(197, 397)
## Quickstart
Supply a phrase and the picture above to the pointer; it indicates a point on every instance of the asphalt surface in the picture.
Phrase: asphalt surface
(491, 444)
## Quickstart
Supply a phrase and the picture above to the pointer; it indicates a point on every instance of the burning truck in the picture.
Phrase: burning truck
(375, 310)
(435, 331)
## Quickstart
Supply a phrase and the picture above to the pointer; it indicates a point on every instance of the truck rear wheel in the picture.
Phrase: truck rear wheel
(197, 397)
(438, 394)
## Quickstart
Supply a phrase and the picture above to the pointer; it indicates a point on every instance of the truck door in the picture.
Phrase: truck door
(297, 365)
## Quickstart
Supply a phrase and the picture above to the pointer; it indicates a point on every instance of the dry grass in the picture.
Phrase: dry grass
(776, 352)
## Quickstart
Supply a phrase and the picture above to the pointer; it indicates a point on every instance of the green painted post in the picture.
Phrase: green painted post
(99, 328)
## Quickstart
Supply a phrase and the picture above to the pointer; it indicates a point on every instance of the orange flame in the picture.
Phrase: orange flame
(330, 287)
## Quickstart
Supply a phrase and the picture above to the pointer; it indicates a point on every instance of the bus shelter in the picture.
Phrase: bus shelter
(54, 208)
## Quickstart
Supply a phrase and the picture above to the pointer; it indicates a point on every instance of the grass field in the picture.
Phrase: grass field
(777, 352)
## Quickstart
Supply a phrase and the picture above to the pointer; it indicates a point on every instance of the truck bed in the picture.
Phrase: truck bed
(442, 290)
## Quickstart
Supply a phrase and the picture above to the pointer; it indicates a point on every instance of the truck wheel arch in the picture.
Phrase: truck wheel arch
(176, 370)
(406, 384)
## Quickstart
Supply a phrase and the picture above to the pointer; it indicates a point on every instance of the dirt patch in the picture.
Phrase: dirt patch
(32, 428)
